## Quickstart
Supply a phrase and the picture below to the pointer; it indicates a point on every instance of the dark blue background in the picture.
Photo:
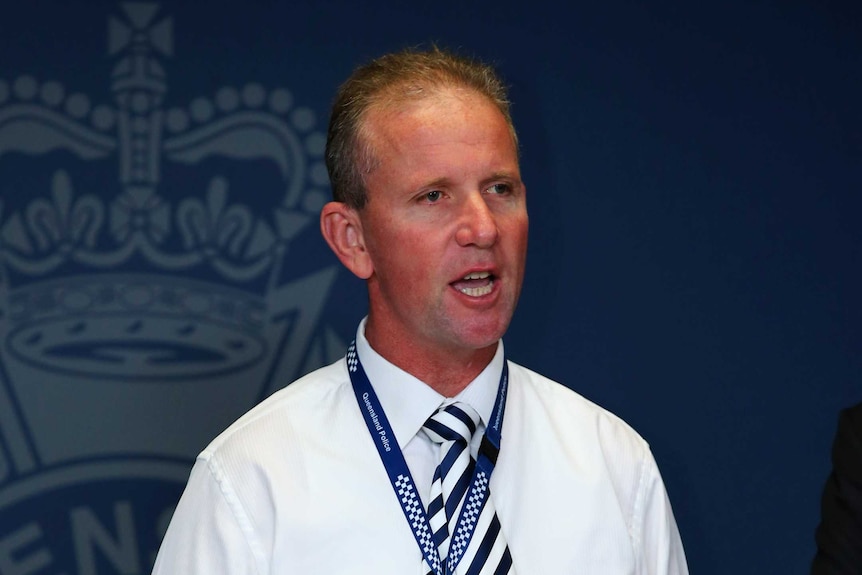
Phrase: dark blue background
(694, 189)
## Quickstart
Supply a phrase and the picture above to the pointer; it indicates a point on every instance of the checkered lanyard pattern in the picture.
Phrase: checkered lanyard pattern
(460, 509)
(487, 552)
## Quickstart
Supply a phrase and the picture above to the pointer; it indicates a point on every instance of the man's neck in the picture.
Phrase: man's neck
(447, 372)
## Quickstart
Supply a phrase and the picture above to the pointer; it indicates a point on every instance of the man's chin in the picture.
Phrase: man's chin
(479, 335)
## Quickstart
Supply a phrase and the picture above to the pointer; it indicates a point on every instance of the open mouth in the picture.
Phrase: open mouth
(475, 284)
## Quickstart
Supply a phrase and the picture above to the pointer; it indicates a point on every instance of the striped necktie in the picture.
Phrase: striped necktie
(452, 426)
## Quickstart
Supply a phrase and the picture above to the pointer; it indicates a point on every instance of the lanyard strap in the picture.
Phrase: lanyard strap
(399, 475)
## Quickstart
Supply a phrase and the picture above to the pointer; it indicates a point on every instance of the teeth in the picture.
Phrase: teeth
(477, 291)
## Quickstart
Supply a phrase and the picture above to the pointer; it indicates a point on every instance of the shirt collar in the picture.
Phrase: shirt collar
(408, 401)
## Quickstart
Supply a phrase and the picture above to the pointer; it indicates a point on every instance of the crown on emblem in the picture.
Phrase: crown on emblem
(133, 284)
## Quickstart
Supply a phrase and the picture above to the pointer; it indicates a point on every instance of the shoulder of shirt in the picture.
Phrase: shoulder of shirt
(297, 398)
(572, 410)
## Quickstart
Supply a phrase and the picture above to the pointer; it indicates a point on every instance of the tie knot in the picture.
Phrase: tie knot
(454, 422)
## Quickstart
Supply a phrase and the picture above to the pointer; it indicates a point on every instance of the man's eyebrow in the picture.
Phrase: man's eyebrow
(441, 182)
(507, 174)
(513, 176)
(444, 181)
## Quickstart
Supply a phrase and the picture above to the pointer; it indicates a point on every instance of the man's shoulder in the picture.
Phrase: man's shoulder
(852, 416)
(847, 444)
(593, 453)
(572, 413)
(293, 406)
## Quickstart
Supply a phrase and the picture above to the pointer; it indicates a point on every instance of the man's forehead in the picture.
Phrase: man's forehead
(401, 104)
(422, 144)
(388, 113)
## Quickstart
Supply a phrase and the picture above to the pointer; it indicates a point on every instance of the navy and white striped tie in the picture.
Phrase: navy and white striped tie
(453, 426)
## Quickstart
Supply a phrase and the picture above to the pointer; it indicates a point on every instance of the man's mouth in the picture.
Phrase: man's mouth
(475, 284)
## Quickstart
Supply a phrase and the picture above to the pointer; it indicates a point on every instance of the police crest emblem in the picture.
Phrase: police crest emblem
(149, 293)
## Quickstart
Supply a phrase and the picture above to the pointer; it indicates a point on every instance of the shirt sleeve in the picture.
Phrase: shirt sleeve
(661, 550)
(209, 533)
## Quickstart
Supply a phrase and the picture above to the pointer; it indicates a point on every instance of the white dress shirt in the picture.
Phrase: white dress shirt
(297, 486)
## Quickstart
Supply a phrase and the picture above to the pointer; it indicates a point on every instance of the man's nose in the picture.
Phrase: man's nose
(478, 225)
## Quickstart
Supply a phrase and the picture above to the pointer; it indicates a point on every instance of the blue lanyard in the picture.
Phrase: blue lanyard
(399, 474)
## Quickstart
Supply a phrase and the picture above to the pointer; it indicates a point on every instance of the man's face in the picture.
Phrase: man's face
(445, 225)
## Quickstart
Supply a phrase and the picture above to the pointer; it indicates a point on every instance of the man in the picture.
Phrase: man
(380, 462)
(839, 535)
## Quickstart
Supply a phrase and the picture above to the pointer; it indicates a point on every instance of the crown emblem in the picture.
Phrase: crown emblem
(157, 260)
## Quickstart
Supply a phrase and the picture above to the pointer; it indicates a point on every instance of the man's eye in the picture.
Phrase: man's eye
(433, 196)
(500, 189)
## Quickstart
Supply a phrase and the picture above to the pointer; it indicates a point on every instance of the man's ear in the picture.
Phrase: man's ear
(342, 230)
